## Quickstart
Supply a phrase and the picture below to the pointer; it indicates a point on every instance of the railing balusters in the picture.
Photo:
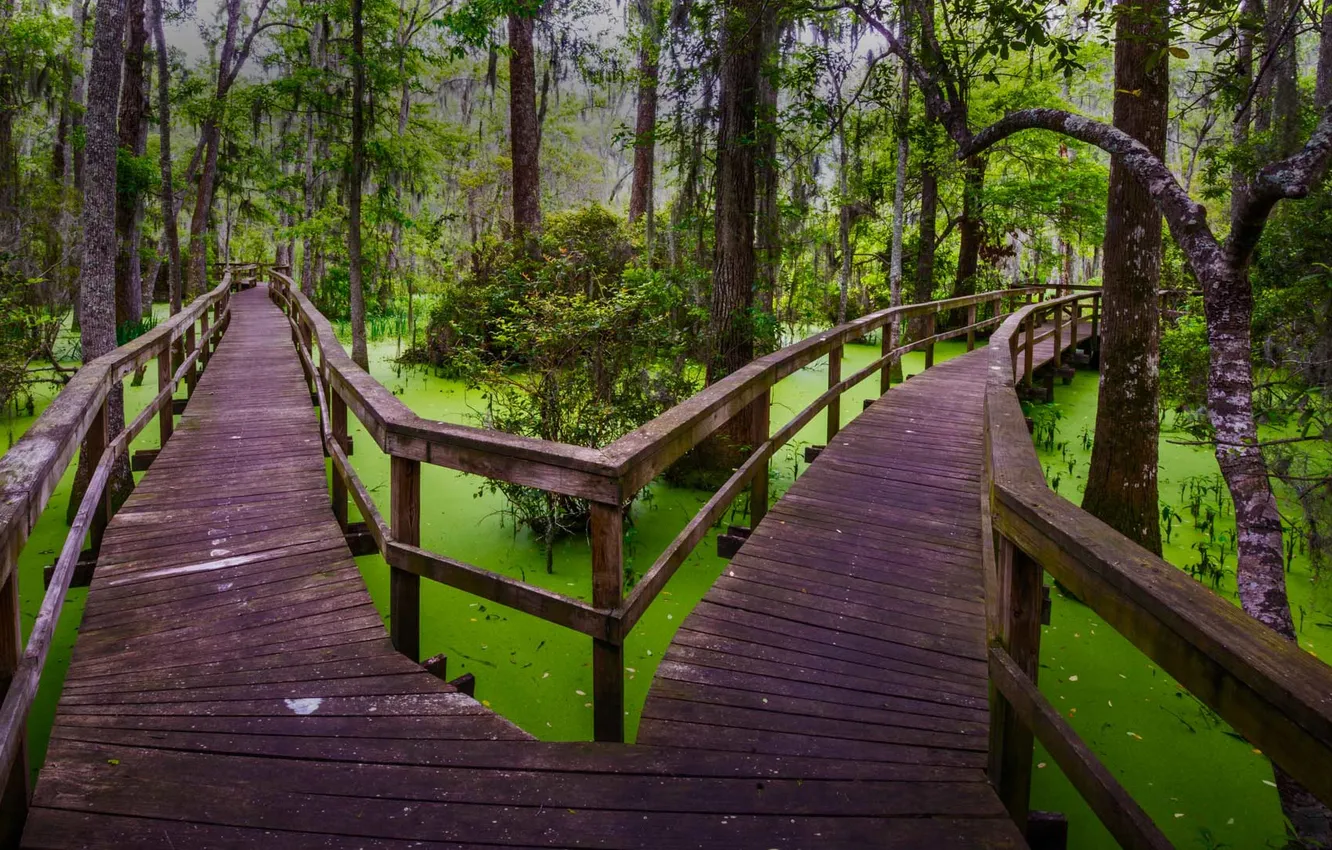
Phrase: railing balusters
(405, 587)
(607, 526)
(1058, 336)
(971, 331)
(886, 344)
(95, 444)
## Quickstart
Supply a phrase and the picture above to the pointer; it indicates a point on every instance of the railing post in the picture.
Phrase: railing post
(165, 417)
(192, 375)
(95, 443)
(1031, 348)
(929, 332)
(1096, 331)
(1058, 336)
(760, 418)
(203, 334)
(405, 587)
(971, 331)
(1018, 631)
(835, 405)
(337, 414)
(15, 793)
(889, 341)
(607, 589)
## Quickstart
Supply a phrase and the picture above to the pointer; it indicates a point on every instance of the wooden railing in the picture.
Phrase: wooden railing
(1268, 689)
(608, 477)
(29, 473)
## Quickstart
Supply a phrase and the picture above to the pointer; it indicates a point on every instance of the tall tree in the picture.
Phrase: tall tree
(733, 268)
(524, 128)
(170, 209)
(355, 180)
(97, 277)
(1122, 481)
(645, 119)
(133, 130)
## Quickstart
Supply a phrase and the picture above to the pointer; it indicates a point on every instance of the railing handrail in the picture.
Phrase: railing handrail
(1267, 688)
(622, 468)
(32, 467)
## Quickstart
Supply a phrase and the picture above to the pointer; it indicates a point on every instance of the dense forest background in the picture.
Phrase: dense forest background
(592, 209)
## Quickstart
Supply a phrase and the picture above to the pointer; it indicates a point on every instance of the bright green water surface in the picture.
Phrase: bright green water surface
(1205, 787)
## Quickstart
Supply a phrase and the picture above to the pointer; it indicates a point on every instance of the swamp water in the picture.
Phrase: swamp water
(1205, 787)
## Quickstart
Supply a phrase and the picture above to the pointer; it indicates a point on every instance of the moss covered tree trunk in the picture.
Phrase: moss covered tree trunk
(1122, 481)
(524, 131)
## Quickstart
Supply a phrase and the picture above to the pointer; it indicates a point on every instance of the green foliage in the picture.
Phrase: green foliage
(1184, 360)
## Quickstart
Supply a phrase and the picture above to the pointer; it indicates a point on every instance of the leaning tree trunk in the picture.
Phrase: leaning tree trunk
(1122, 481)
(360, 353)
(524, 133)
(97, 278)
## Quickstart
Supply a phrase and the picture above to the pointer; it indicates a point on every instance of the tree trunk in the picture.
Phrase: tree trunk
(768, 224)
(133, 130)
(170, 212)
(360, 354)
(969, 227)
(843, 218)
(524, 142)
(899, 196)
(9, 163)
(209, 140)
(732, 301)
(97, 280)
(1285, 87)
(929, 203)
(1323, 80)
(645, 123)
(1122, 480)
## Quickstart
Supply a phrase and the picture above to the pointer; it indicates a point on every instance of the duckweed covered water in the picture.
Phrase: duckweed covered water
(1200, 782)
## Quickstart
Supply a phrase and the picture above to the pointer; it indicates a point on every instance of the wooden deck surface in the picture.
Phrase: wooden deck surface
(233, 685)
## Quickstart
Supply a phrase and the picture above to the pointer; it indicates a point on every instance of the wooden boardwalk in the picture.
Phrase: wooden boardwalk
(232, 684)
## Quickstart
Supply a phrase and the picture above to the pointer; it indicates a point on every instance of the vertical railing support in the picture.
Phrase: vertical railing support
(203, 333)
(1095, 346)
(165, 417)
(889, 332)
(971, 331)
(15, 792)
(607, 655)
(1058, 336)
(1031, 348)
(929, 332)
(760, 419)
(1019, 585)
(192, 375)
(405, 587)
(835, 405)
(337, 414)
(95, 443)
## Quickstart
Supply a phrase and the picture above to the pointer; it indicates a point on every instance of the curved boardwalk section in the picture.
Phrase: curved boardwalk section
(851, 624)
(233, 686)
